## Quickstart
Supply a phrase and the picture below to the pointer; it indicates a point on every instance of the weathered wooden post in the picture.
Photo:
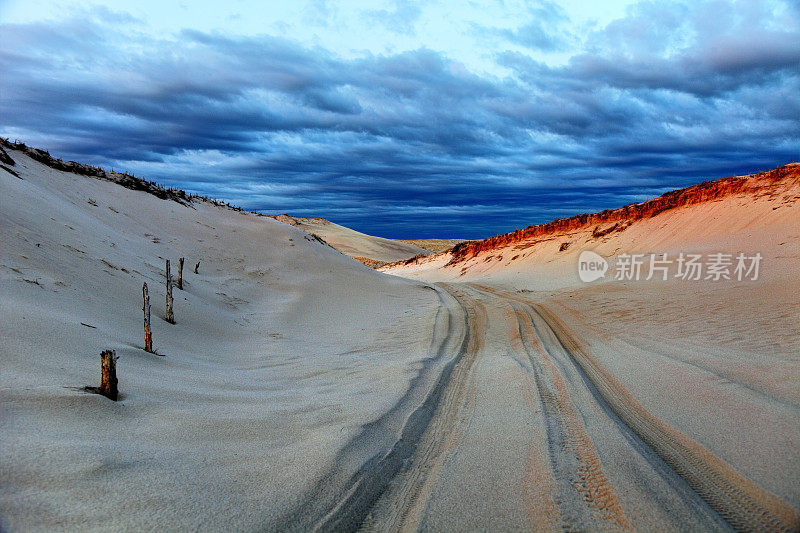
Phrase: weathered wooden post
(180, 273)
(169, 316)
(108, 375)
(196, 267)
(148, 338)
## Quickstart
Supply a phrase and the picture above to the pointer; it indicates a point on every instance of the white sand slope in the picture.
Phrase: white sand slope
(282, 350)
(366, 248)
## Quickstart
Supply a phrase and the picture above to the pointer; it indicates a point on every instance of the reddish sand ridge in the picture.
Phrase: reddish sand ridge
(773, 182)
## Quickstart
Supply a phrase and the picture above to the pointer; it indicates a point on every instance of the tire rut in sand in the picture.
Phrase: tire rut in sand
(391, 491)
(402, 506)
(344, 498)
(741, 502)
(585, 498)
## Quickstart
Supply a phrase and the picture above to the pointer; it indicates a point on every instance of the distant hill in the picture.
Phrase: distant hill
(434, 245)
(372, 251)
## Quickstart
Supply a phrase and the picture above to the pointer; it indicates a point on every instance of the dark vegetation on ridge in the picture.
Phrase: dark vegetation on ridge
(121, 178)
(126, 180)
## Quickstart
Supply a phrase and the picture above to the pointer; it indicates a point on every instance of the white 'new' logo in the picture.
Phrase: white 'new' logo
(591, 266)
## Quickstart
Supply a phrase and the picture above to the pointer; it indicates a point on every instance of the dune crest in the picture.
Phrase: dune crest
(628, 228)
(370, 250)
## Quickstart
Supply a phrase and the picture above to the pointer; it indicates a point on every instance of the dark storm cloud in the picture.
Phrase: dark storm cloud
(414, 144)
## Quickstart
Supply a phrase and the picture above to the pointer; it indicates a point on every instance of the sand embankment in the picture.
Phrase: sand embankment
(367, 249)
(282, 350)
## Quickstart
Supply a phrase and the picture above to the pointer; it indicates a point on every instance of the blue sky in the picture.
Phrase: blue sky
(408, 119)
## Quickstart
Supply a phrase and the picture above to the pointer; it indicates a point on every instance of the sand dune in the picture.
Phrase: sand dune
(372, 251)
(299, 390)
(282, 350)
(434, 245)
(750, 211)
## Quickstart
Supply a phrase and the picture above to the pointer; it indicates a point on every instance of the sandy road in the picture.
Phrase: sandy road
(514, 425)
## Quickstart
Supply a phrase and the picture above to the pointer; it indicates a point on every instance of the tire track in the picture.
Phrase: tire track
(402, 506)
(394, 489)
(583, 495)
(741, 502)
(344, 498)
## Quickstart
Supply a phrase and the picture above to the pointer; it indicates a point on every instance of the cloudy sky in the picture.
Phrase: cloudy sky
(408, 119)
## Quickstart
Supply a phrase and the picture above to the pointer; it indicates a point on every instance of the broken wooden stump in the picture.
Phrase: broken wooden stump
(196, 267)
(108, 375)
(148, 338)
(169, 316)
(180, 273)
